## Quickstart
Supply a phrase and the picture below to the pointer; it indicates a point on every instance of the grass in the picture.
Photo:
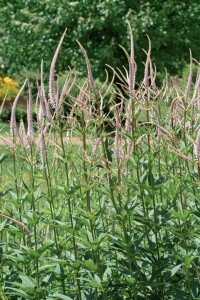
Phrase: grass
(115, 216)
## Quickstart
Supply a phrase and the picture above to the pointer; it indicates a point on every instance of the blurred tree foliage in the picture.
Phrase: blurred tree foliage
(30, 31)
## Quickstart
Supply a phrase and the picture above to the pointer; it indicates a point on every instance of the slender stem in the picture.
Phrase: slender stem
(14, 156)
(35, 224)
(47, 176)
(70, 209)
(130, 254)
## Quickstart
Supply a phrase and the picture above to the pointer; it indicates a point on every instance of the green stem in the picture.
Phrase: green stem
(35, 223)
(130, 254)
(50, 197)
(70, 209)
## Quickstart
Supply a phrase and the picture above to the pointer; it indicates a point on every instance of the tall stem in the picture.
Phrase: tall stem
(47, 176)
(70, 209)
(35, 224)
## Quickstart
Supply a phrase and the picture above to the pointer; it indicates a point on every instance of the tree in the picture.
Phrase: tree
(173, 27)
(30, 31)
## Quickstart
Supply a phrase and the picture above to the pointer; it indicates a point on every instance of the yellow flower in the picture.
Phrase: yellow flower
(9, 81)
(9, 87)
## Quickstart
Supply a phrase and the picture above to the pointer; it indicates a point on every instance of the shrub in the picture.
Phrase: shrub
(8, 87)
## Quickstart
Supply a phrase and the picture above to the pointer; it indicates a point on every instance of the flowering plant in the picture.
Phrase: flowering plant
(8, 87)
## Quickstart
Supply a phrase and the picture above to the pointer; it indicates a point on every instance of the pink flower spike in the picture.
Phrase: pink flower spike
(13, 125)
(52, 93)
(30, 131)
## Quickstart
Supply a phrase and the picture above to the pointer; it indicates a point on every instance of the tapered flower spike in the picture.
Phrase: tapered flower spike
(18, 223)
(90, 77)
(128, 124)
(42, 95)
(197, 146)
(121, 77)
(117, 145)
(30, 131)
(47, 109)
(82, 100)
(147, 65)
(187, 90)
(175, 109)
(163, 131)
(159, 122)
(13, 125)
(66, 88)
(130, 77)
(153, 76)
(96, 145)
(198, 101)
(22, 134)
(42, 148)
(132, 65)
(42, 109)
(2, 105)
(179, 153)
(197, 84)
(132, 42)
(130, 148)
(52, 93)
(110, 85)
(47, 234)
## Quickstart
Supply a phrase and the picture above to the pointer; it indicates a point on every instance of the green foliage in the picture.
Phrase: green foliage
(21, 114)
(173, 27)
(8, 88)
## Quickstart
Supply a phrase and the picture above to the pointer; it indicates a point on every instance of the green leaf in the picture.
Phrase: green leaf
(131, 279)
(161, 180)
(46, 278)
(89, 264)
(188, 259)
(3, 193)
(93, 282)
(33, 253)
(2, 225)
(61, 296)
(27, 281)
(151, 179)
(57, 260)
(172, 272)
(18, 292)
(2, 157)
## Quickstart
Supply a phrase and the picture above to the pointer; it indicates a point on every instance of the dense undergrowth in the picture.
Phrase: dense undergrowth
(102, 202)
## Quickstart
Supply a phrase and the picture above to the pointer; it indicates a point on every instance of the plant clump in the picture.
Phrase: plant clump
(8, 87)
(100, 194)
